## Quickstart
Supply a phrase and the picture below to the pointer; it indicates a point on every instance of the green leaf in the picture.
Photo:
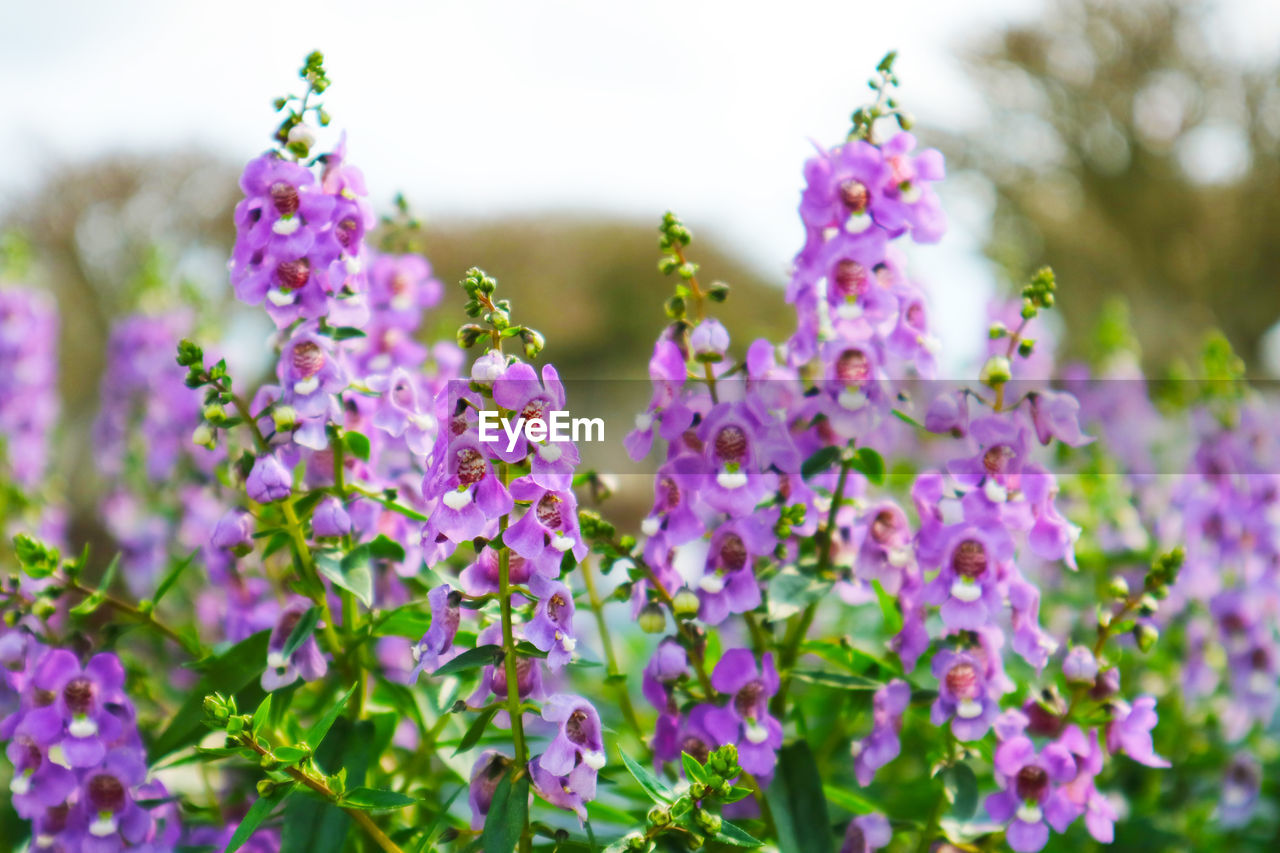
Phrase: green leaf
(870, 464)
(657, 790)
(229, 672)
(315, 734)
(907, 419)
(261, 715)
(849, 801)
(172, 576)
(346, 333)
(735, 835)
(471, 659)
(385, 548)
(888, 608)
(835, 679)
(357, 444)
(94, 601)
(820, 461)
(374, 799)
(429, 832)
(692, 769)
(319, 827)
(351, 572)
(798, 805)
(962, 784)
(790, 592)
(475, 730)
(507, 815)
(305, 628)
(408, 620)
(258, 812)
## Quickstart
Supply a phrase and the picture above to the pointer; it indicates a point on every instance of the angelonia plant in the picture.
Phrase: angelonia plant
(865, 607)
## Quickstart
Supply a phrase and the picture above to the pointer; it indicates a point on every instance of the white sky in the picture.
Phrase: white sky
(482, 107)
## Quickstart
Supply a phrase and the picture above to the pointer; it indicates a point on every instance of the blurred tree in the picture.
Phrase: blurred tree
(1131, 151)
(117, 235)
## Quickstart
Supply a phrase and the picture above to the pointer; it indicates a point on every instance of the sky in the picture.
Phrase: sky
(483, 108)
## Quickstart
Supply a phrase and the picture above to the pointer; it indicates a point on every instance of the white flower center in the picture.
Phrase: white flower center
(276, 660)
(82, 726)
(20, 784)
(103, 825)
(968, 709)
(456, 499)
(550, 452)
(562, 543)
(306, 386)
(756, 733)
(712, 583)
(1029, 813)
(644, 420)
(858, 223)
(732, 479)
(852, 399)
(966, 591)
(280, 298)
(286, 225)
(650, 526)
(594, 759)
(995, 492)
(849, 311)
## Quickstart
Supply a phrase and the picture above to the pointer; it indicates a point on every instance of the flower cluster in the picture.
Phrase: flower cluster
(79, 768)
(28, 399)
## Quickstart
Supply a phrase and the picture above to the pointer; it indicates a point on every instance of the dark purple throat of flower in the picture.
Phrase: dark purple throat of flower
(970, 559)
(1032, 783)
(293, 275)
(308, 359)
(855, 196)
(284, 196)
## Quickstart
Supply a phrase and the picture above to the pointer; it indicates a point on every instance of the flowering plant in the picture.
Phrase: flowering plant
(875, 609)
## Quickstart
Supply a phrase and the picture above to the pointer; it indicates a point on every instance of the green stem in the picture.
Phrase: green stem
(611, 660)
(799, 626)
(510, 663)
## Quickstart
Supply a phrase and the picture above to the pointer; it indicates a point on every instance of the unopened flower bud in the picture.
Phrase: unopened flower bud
(995, 372)
(1145, 634)
(653, 620)
(204, 436)
(686, 604)
(1080, 666)
(1119, 587)
(214, 413)
(660, 816)
(285, 418)
(708, 821)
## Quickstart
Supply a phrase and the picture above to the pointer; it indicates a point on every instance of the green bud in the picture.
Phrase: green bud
(37, 559)
(1145, 634)
(43, 608)
(997, 331)
(1119, 587)
(685, 604)
(708, 821)
(204, 436)
(637, 842)
(214, 413)
(533, 342)
(718, 291)
(653, 620)
(675, 307)
(1026, 347)
(688, 270)
(995, 372)
(668, 264)
(1148, 605)
(469, 334)
(285, 418)
(659, 816)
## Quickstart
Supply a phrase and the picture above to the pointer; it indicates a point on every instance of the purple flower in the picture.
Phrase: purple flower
(1028, 781)
(709, 340)
(964, 694)
(567, 791)
(967, 587)
(80, 718)
(1241, 786)
(269, 481)
(38, 783)
(866, 833)
(330, 519)
(234, 531)
(666, 410)
(310, 372)
(579, 740)
(728, 584)
(1056, 414)
(551, 628)
(1080, 666)
(486, 773)
(882, 745)
(305, 661)
(549, 529)
(115, 821)
(1130, 731)
(400, 414)
(669, 663)
(435, 647)
(746, 721)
